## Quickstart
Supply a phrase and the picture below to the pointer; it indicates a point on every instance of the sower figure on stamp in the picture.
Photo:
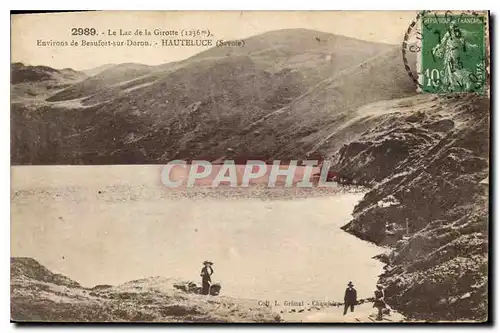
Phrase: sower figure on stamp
(206, 273)
(350, 298)
(448, 49)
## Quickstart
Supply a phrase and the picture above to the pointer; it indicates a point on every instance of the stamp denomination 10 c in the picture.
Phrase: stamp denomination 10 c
(453, 53)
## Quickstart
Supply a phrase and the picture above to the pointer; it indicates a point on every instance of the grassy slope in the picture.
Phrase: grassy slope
(40, 295)
(312, 122)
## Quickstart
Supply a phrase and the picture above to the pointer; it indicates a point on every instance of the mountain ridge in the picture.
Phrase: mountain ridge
(202, 107)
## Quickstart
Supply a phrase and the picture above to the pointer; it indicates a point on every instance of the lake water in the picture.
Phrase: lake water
(112, 224)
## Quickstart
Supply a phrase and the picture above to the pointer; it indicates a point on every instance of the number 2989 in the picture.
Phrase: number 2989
(83, 31)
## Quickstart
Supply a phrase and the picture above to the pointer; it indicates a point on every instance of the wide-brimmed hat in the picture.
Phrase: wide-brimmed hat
(207, 262)
(350, 284)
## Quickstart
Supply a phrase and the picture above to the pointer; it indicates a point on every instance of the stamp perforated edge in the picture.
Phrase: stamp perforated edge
(415, 27)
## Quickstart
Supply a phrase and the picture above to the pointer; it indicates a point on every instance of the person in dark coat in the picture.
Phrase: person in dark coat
(379, 301)
(206, 280)
(350, 298)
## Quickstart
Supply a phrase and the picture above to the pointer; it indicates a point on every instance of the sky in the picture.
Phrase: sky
(28, 29)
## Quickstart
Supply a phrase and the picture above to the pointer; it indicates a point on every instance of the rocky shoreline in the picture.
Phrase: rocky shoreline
(429, 203)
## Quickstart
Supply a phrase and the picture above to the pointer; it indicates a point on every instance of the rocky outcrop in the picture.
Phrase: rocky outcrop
(29, 268)
(428, 204)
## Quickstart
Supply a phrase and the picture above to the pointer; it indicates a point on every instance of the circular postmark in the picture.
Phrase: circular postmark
(445, 51)
(410, 46)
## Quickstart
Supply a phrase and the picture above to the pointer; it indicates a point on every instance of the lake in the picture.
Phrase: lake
(112, 224)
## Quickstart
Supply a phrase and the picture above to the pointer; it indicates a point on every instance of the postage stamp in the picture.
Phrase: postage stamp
(250, 167)
(453, 52)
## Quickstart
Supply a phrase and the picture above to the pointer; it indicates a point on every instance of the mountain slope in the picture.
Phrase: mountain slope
(316, 54)
(109, 76)
(21, 73)
(98, 69)
(35, 83)
(276, 97)
(37, 296)
(426, 161)
(310, 123)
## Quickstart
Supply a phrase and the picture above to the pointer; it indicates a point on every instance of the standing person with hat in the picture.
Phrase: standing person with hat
(206, 273)
(350, 297)
(379, 301)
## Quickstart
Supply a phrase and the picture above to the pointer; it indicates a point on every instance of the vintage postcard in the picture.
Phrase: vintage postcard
(250, 166)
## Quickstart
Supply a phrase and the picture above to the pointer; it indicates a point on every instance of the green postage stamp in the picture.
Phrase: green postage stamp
(453, 52)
